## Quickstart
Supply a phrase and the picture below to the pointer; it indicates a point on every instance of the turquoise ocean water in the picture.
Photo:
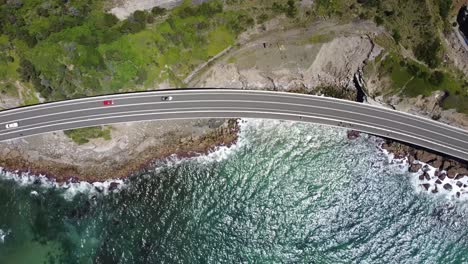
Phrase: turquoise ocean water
(287, 193)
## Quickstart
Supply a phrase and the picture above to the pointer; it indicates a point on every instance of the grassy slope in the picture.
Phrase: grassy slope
(412, 27)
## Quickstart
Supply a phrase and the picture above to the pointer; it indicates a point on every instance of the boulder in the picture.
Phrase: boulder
(437, 163)
(352, 134)
(113, 186)
(442, 176)
(421, 177)
(458, 194)
(427, 176)
(414, 167)
(426, 186)
(459, 184)
(446, 164)
(462, 171)
(426, 168)
(435, 189)
(438, 181)
(451, 173)
(425, 156)
(448, 187)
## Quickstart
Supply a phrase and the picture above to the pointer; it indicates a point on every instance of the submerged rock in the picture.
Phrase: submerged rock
(352, 134)
(448, 186)
(113, 186)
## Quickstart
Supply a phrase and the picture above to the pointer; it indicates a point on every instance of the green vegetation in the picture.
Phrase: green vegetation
(414, 24)
(413, 79)
(70, 50)
(8, 89)
(289, 8)
(321, 38)
(83, 135)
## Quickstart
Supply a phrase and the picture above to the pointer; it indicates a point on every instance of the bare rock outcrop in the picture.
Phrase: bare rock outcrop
(132, 146)
(327, 68)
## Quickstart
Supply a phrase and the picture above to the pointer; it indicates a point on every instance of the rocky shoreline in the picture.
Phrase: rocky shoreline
(435, 172)
(61, 172)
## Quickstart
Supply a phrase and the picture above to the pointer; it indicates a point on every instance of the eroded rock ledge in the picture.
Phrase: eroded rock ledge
(134, 146)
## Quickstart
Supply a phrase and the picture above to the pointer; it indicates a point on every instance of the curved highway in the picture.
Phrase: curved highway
(229, 103)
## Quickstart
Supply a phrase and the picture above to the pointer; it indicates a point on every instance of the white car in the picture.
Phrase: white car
(166, 98)
(12, 125)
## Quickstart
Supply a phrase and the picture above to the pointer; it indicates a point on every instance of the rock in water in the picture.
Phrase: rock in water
(113, 186)
(353, 134)
(426, 186)
(414, 167)
(427, 176)
(442, 176)
(448, 187)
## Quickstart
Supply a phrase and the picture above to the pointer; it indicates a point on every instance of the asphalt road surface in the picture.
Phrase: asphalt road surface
(229, 103)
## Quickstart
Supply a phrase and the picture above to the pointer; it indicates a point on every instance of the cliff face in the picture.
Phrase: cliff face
(298, 60)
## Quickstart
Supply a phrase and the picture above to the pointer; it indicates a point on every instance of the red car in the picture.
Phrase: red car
(107, 102)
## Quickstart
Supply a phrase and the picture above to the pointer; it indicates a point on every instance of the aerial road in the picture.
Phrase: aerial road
(233, 103)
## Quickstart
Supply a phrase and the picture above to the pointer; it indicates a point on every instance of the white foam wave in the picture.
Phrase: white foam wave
(428, 179)
(3, 235)
(70, 189)
(436, 182)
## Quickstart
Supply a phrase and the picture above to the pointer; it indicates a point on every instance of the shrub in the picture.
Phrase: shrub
(378, 20)
(158, 11)
(428, 51)
(110, 20)
(396, 36)
(436, 78)
(444, 8)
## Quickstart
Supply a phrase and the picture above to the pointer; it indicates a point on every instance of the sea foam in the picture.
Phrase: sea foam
(70, 189)
(431, 183)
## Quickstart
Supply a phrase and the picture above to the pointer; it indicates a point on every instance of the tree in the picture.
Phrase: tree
(444, 8)
(158, 11)
(139, 16)
(428, 51)
(291, 9)
(26, 70)
(109, 20)
(436, 78)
